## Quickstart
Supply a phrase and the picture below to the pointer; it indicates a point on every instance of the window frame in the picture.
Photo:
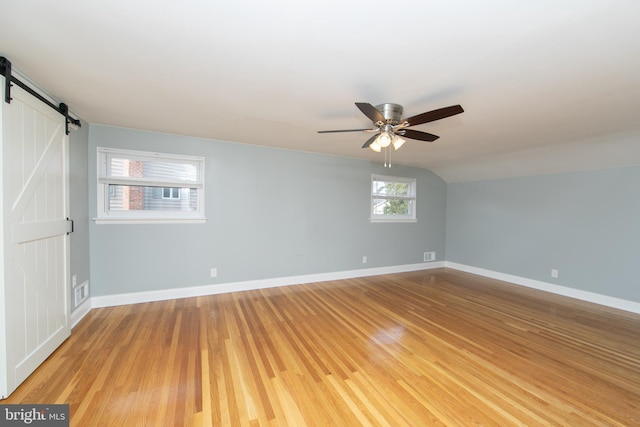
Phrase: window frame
(412, 197)
(104, 179)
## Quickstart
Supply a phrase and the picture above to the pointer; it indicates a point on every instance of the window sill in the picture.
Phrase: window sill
(409, 220)
(150, 220)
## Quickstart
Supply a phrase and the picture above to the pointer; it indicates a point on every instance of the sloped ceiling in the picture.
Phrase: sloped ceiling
(547, 86)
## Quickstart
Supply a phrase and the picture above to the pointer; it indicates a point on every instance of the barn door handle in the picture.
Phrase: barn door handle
(69, 226)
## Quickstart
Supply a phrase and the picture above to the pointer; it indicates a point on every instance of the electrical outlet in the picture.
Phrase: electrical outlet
(364, 259)
(74, 280)
(554, 273)
(429, 256)
(214, 272)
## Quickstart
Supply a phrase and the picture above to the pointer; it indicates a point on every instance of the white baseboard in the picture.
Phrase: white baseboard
(80, 311)
(165, 294)
(194, 291)
(593, 297)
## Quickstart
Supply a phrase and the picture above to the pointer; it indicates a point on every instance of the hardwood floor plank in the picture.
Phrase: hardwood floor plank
(435, 347)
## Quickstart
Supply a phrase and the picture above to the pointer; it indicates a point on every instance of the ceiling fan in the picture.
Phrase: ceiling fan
(391, 129)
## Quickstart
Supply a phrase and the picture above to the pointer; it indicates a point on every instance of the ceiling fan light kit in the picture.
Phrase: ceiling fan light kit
(398, 141)
(391, 129)
(384, 139)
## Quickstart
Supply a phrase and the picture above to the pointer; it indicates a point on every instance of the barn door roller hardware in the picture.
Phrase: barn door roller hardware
(5, 70)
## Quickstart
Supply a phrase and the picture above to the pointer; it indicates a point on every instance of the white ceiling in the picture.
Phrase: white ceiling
(547, 85)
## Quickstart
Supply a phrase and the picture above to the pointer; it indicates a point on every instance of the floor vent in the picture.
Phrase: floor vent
(81, 293)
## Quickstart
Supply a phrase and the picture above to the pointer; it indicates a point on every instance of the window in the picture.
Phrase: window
(393, 199)
(137, 186)
(170, 193)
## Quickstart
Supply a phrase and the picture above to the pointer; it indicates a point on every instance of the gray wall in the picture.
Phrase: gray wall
(79, 205)
(586, 225)
(271, 213)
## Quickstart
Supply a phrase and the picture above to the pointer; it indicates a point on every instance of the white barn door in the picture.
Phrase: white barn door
(35, 240)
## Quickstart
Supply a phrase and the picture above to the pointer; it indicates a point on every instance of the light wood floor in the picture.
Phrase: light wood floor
(435, 347)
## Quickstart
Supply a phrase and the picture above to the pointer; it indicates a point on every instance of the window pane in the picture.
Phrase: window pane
(139, 198)
(392, 188)
(147, 168)
(392, 207)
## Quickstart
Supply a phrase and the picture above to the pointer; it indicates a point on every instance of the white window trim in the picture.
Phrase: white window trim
(104, 216)
(394, 218)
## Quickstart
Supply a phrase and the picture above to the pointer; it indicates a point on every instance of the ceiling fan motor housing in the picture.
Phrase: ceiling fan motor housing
(391, 112)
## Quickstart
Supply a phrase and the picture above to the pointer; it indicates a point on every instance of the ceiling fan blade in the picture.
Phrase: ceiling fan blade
(422, 136)
(347, 130)
(370, 141)
(433, 115)
(370, 111)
